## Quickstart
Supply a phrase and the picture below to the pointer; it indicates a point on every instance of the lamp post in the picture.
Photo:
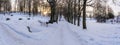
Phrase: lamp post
(52, 4)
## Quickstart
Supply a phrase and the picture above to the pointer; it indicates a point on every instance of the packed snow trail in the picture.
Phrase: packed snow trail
(62, 33)
(55, 35)
(69, 38)
(15, 32)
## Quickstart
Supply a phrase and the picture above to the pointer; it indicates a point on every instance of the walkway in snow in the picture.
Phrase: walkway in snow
(15, 32)
(56, 35)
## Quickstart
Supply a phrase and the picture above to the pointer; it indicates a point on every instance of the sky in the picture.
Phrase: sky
(13, 1)
(115, 8)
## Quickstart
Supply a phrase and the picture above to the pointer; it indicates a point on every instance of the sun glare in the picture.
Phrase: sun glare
(13, 4)
(45, 13)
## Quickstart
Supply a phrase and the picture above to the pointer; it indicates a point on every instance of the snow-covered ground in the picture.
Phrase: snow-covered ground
(15, 32)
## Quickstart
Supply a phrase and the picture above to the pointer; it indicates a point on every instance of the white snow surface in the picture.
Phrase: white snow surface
(15, 32)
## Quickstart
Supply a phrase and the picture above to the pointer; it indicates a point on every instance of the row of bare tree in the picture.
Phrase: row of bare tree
(72, 10)
(5, 5)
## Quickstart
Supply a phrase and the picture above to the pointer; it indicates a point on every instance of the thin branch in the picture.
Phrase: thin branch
(89, 1)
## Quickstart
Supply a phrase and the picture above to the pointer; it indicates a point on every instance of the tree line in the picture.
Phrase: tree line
(74, 11)
(5, 5)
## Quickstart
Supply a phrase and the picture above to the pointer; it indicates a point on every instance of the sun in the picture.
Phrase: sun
(45, 13)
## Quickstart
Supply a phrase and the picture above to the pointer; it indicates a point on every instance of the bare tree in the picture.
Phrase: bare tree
(84, 14)
(52, 4)
(35, 6)
(5, 5)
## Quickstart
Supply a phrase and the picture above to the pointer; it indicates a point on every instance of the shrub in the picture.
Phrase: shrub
(7, 19)
(100, 18)
(11, 15)
(20, 19)
(110, 16)
(28, 18)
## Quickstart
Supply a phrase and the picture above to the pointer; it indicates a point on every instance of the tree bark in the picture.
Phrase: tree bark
(79, 13)
(84, 14)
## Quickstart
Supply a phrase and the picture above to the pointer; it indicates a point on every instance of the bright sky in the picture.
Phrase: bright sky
(12, 1)
(115, 8)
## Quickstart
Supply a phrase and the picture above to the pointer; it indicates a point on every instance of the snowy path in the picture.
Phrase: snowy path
(69, 38)
(54, 36)
(63, 33)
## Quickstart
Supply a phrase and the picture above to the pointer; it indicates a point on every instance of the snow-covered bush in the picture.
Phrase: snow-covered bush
(28, 18)
(110, 16)
(113, 21)
(11, 15)
(100, 18)
(20, 19)
(7, 19)
(104, 18)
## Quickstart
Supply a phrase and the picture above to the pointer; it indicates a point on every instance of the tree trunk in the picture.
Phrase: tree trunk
(75, 12)
(84, 14)
(29, 7)
(53, 10)
(79, 13)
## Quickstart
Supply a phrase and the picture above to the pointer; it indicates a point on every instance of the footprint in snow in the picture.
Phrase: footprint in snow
(115, 33)
(91, 39)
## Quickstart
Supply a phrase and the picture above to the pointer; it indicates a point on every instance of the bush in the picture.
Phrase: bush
(7, 19)
(110, 16)
(103, 18)
(28, 18)
(20, 19)
(100, 18)
(11, 15)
